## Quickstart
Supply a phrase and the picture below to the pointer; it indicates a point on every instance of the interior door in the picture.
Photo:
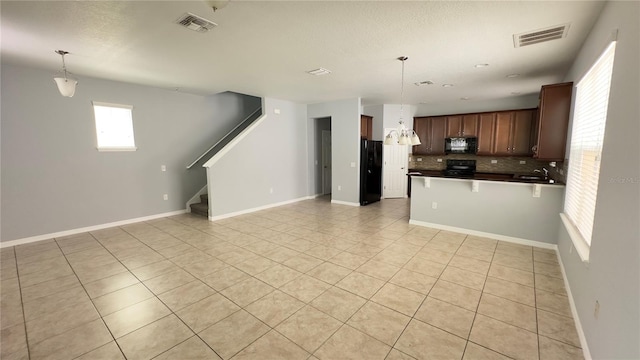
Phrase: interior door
(326, 162)
(395, 162)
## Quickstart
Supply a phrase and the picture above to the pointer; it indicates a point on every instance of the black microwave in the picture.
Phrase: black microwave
(461, 145)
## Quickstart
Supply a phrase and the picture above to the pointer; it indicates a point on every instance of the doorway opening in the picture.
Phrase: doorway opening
(323, 156)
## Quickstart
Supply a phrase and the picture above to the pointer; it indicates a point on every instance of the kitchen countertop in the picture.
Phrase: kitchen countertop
(491, 176)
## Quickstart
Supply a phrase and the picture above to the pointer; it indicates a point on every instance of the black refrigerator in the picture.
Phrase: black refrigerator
(370, 171)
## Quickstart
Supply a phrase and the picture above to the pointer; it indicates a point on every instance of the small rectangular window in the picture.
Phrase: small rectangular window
(114, 127)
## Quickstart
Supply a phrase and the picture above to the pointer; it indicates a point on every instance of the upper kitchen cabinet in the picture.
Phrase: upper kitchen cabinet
(431, 131)
(512, 133)
(462, 125)
(366, 127)
(552, 122)
(486, 126)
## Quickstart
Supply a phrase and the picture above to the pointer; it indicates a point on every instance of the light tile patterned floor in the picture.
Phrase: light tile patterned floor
(303, 281)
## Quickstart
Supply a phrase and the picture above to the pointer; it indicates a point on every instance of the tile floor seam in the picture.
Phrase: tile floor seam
(94, 306)
(24, 317)
(412, 317)
(475, 315)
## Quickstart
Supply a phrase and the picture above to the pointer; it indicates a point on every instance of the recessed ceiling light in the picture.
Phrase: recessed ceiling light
(465, 98)
(319, 71)
(513, 75)
(447, 85)
(516, 93)
(481, 65)
(422, 83)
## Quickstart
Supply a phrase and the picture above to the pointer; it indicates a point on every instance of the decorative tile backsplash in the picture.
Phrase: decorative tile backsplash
(485, 164)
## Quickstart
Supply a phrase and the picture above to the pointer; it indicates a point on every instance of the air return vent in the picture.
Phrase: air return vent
(196, 23)
(539, 36)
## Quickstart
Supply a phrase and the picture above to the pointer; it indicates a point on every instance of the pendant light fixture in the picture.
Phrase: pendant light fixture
(402, 135)
(66, 84)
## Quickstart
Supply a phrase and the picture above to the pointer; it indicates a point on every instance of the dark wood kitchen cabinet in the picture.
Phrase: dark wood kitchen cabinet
(462, 125)
(366, 127)
(552, 122)
(486, 125)
(431, 130)
(512, 133)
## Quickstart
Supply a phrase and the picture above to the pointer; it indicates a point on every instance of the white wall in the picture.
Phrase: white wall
(345, 146)
(612, 276)
(54, 179)
(377, 111)
(272, 156)
(500, 208)
(469, 106)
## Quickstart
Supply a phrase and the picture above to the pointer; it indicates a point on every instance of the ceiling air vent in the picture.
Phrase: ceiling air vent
(542, 35)
(196, 23)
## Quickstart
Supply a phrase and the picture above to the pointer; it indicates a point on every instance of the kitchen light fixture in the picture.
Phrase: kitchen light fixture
(66, 84)
(402, 135)
(319, 72)
(217, 4)
(480, 65)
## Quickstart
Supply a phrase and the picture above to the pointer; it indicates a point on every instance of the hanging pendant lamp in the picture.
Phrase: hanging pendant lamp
(66, 84)
(402, 135)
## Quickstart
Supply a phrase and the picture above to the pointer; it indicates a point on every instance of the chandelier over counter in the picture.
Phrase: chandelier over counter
(402, 135)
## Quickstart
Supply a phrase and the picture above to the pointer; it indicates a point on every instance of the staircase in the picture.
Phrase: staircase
(201, 208)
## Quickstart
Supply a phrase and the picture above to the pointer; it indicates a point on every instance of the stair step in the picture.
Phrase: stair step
(200, 209)
(204, 198)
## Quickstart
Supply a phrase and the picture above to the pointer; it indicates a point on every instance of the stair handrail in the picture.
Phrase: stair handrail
(224, 137)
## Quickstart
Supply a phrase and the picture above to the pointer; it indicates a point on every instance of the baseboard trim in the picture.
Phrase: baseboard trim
(259, 208)
(574, 311)
(31, 239)
(338, 202)
(510, 239)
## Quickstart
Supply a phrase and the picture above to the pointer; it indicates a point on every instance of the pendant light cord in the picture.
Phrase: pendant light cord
(401, 92)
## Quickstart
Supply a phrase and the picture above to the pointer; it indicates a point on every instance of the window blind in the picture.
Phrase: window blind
(589, 119)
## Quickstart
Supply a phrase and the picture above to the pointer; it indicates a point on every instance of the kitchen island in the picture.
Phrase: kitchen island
(518, 211)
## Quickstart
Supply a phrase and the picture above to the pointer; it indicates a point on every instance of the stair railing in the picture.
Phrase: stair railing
(224, 137)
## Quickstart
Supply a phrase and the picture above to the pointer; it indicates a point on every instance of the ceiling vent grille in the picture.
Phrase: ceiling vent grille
(539, 36)
(196, 23)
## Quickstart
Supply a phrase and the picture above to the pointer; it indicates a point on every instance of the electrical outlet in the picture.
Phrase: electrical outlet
(270, 190)
(561, 171)
(165, 196)
(439, 160)
(316, 162)
(276, 111)
(163, 167)
(419, 159)
(434, 205)
(522, 162)
(596, 310)
(494, 161)
(353, 164)
(339, 188)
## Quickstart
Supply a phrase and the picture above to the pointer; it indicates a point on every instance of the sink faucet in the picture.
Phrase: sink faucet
(544, 170)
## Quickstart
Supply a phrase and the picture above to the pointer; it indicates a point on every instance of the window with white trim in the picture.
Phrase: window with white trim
(587, 135)
(114, 127)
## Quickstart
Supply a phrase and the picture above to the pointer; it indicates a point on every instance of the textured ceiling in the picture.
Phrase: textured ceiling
(264, 48)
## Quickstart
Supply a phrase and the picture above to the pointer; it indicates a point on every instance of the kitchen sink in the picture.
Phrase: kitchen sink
(529, 177)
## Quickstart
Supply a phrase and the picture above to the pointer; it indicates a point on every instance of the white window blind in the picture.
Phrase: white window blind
(114, 127)
(589, 119)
